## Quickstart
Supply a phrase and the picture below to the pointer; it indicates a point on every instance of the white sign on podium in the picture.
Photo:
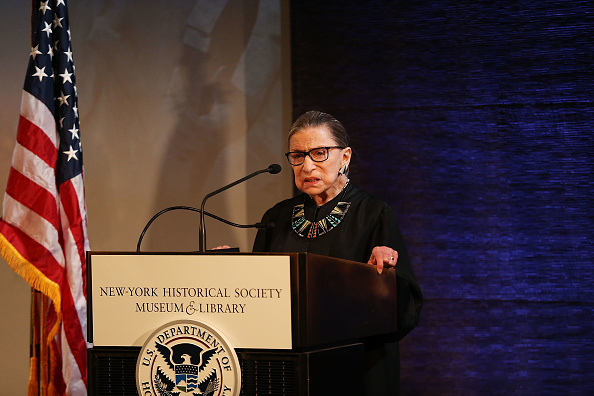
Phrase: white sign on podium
(246, 297)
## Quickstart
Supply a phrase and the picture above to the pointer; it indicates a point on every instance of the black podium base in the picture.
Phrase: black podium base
(331, 371)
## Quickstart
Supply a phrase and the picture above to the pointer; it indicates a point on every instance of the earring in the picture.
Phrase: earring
(342, 170)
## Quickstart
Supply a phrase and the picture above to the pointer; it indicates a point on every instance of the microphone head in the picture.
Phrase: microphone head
(274, 169)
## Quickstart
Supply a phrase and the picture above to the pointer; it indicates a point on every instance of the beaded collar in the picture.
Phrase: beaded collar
(307, 229)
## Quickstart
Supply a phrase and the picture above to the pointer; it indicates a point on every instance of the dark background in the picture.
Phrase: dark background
(473, 120)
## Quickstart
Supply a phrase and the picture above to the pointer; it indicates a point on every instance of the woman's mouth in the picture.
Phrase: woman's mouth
(311, 180)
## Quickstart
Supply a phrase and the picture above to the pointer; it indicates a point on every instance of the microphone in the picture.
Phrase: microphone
(273, 169)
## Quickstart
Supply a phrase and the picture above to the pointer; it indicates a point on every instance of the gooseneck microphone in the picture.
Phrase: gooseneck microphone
(273, 169)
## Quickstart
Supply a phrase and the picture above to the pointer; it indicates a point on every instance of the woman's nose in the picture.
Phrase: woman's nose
(308, 164)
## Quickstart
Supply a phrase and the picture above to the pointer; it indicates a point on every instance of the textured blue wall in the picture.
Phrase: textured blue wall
(473, 120)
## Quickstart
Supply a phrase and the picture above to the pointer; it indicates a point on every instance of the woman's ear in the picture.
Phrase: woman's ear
(346, 159)
(346, 156)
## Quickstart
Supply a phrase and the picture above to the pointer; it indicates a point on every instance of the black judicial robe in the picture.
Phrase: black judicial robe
(369, 222)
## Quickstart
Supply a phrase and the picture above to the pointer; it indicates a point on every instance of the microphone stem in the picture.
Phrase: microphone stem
(202, 231)
(146, 227)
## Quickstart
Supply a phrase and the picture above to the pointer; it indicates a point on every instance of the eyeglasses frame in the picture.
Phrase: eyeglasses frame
(308, 153)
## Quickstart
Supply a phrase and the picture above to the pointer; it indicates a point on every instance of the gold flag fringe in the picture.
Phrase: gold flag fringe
(38, 281)
(30, 273)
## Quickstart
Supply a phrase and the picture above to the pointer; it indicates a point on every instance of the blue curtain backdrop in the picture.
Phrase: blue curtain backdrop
(473, 119)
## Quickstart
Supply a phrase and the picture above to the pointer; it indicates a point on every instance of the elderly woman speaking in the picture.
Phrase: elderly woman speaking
(332, 217)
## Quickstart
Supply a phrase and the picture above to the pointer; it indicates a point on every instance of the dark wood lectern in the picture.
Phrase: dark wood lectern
(335, 306)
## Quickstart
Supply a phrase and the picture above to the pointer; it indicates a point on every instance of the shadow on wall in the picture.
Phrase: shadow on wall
(227, 103)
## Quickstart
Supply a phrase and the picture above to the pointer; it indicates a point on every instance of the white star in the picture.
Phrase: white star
(68, 54)
(35, 51)
(60, 2)
(63, 99)
(74, 132)
(40, 73)
(50, 51)
(75, 109)
(66, 76)
(47, 29)
(71, 154)
(44, 7)
(57, 21)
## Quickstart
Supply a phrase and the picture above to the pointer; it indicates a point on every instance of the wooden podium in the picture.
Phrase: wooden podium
(333, 306)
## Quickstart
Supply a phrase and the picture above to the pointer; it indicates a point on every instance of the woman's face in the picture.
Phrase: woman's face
(320, 180)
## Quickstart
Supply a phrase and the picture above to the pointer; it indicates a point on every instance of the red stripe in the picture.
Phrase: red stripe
(73, 331)
(72, 325)
(69, 201)
(33, 252)
(33, 196)
(35, 140)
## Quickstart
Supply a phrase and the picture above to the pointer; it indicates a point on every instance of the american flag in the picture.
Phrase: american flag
(43, 229)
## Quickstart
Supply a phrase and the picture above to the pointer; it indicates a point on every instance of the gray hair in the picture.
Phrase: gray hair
(314, 118)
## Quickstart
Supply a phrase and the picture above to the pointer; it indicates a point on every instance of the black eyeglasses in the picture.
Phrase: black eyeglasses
(319, 154)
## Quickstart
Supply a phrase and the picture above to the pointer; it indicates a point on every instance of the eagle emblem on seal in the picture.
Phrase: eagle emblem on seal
(190, 367)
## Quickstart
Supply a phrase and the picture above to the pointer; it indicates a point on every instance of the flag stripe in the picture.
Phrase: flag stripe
(33, 252)
(29, 135)
(74, 213)
(32, 167)
(77, 382)
(74, 332)
(76, 289)
(37, 113)
(31, 195)
(35, 227)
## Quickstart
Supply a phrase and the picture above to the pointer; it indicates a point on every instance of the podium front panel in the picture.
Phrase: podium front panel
(245, 297)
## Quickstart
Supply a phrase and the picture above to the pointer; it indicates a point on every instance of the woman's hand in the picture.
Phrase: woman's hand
(222, 247)
(383, 257)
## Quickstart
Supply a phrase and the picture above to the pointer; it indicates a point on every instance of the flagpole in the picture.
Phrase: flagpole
(33, 387)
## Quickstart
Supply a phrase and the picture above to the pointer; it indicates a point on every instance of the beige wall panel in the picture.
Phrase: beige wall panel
(176, 99)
